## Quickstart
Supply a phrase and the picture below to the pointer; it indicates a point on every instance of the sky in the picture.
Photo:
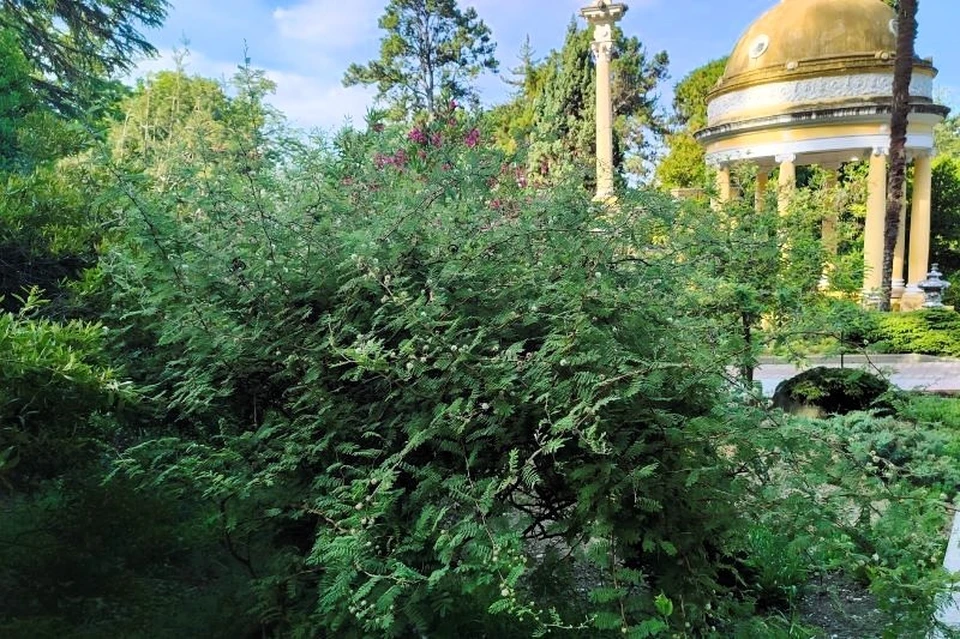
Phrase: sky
(306, 45)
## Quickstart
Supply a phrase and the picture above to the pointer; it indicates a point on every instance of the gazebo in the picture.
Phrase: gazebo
(810, 83)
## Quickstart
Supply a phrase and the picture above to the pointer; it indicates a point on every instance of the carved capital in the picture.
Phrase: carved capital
(786, 157)
(602, 49)
(880, 150)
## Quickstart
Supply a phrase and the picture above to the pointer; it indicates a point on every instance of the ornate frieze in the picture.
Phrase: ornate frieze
(785, 95)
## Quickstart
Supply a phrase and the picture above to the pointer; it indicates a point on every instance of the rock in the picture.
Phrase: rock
(830, 391)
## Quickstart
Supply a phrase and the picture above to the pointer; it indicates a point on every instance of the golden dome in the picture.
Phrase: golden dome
(797, 31)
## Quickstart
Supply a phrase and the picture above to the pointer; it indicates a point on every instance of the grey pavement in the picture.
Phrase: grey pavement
(948, 606)
(908, 372)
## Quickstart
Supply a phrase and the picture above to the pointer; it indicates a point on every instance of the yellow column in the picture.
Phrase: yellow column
(873, 230)
(788, 181)
(762, 178)
(723, 185)
(919, 232)
(603, 15)
(897, 283)
(828, 230)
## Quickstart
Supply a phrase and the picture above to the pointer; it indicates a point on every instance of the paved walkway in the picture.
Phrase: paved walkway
(909, 372)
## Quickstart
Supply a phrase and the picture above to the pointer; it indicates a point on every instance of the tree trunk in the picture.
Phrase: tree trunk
(902, 75)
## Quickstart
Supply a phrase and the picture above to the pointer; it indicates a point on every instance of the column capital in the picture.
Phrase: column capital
(880, 150)
(785, 157)
(603, 12)
(602, 48)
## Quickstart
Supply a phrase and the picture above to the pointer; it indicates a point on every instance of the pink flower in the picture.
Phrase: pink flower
(472, 139)
(521, 178)
(418, 136)
(378, 127)
(453, 105)
(400, 159)
(436, 139)
(380, 160)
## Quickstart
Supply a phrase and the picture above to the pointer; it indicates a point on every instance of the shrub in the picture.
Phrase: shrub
(930, 332)
(410, 379)
(56, 383)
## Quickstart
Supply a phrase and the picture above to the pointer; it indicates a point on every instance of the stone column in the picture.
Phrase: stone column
(828, 226)
(788, 181)
(723, 185)
(603, 15)
(828, 229)
(873, 230)
(919, 232)
(762, 177)
(897, 283)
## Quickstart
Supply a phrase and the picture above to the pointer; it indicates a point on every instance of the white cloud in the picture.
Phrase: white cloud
(194, 63)
(330, 23)
(312, 104)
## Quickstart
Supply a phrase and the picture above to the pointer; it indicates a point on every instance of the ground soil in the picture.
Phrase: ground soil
(841, 609)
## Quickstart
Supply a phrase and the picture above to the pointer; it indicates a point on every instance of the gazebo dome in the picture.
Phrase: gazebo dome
(814, 78)
(809, 31)
(810, 82)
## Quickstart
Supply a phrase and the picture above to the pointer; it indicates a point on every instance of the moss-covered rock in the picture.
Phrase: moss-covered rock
(830, 391)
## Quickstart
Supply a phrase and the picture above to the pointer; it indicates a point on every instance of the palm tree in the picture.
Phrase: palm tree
(902, 75)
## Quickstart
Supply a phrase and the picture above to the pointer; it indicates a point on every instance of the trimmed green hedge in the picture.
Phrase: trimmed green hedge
(933, 332)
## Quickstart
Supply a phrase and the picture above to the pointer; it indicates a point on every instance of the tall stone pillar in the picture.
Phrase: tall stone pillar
(897, 282)
(919, 232)
(828, 229)
(603, 15)
(788, 181)
(873, 230)
(828, 226)
(723, 185)
(762, 178)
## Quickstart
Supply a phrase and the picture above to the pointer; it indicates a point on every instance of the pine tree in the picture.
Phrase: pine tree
(563, 131)
(684, 164)
(521, 74)
(75, 45)
(431, 52)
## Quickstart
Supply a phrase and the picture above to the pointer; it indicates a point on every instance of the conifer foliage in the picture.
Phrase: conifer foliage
(431, 52)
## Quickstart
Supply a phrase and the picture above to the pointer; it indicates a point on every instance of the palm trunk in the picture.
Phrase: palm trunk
(902, 75)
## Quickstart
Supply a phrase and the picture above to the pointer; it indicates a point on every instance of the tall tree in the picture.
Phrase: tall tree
(431, 52)
(946, 137)
(902, 75)
(562, 133)
(75, 44)
(684, 164)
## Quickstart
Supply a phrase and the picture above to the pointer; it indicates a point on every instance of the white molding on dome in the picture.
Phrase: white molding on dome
(795, 93)
(862, 143)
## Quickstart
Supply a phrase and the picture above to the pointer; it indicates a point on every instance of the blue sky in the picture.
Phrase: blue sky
(305, 45)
